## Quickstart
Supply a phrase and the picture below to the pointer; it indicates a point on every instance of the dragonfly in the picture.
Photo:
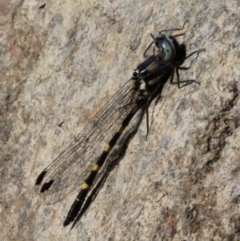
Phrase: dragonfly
(91, 149)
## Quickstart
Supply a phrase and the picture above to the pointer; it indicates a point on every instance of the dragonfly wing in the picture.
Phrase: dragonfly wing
(67, 172)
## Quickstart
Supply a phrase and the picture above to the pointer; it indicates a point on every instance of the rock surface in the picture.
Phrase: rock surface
(60, 61)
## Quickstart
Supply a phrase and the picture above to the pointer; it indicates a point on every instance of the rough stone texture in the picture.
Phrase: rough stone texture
(61, 61)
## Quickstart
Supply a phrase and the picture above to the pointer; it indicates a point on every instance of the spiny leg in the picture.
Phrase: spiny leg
(157, 93)
(198, 52)
(184, 82)
(174, 29)
(194, 52)
(149, 46)
(178, 82)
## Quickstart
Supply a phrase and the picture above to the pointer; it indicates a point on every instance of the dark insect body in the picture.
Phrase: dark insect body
(62, 176)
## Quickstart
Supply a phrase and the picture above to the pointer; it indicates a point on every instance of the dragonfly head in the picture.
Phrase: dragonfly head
(169, 49)
(166, 47)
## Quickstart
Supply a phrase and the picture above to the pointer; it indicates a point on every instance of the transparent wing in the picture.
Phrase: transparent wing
(68, 171)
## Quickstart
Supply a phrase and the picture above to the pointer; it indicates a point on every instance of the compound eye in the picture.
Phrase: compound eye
(167, 47)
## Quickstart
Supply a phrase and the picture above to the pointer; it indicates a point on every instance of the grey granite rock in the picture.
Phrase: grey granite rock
(60, 61)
